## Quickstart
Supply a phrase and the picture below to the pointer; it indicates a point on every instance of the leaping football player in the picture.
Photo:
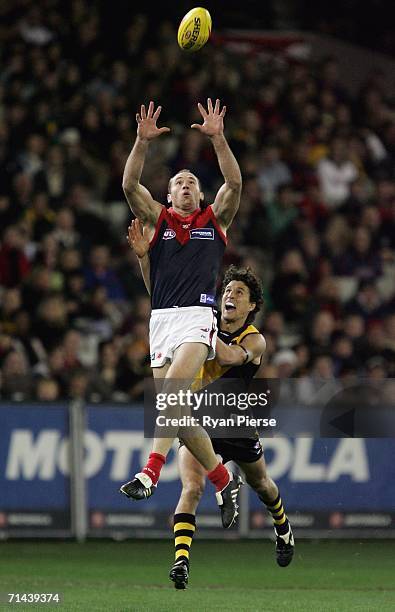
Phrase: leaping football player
(187, 244)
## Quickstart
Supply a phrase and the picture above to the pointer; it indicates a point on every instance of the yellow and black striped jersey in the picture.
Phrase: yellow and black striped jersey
(212, 370)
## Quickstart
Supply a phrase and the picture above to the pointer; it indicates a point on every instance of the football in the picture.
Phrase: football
(194, 30)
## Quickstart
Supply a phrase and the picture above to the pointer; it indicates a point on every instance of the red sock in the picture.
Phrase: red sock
(154, 465)
(219, 476)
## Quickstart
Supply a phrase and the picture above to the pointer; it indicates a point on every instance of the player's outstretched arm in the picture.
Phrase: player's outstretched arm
(138, 241)
(228, 197)
(251, 347)
(139, 198)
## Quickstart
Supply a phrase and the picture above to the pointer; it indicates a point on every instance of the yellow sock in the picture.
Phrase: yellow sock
(184, 528)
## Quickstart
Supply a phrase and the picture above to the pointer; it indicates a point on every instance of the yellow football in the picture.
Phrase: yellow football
(195, 29)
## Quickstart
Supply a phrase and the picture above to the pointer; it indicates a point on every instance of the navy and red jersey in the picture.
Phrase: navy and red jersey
(185, 258)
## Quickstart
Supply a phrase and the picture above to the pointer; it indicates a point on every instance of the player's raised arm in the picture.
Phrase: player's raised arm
(139, 198)
(228, 197)
(251, 347)
(138, 241)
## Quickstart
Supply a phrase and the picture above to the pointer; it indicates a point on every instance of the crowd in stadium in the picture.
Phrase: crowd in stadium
(316, 220)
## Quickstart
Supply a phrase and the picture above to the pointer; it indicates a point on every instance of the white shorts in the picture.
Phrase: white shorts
(171, 327)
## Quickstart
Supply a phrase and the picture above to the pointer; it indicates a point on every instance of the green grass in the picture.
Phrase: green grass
(241, 576)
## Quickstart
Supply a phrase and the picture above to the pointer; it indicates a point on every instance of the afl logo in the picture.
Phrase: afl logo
(169, 234)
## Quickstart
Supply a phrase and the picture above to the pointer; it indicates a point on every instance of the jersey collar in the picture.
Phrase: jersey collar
(235, 334)
(179, 217)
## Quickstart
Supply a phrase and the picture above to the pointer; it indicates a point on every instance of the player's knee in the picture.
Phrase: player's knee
(193, 490)
(260, 484)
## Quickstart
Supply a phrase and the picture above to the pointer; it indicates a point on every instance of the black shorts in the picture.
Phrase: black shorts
(246, 450)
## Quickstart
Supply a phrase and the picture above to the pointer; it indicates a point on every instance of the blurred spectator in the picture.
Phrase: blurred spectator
(39, 218)
(70, 261)
(10, 305)
(104, 316)
(376, 368)
(336, 173)
(74, 294)
(322, 328)
(133, 368)
(302, 352)
(32, 346)
(64, 230)
(282, 209)
(342, 352)
(71, 346)
(30, 159)
(274, 323)
(52, 320)
(17, 381)
(319, 386)
(337, 237)
(367, 302)
(87, 223)
(327, 297)
(100, 272)
(105, 383)
(47, 390)
(373, 344)
(37, 287)
(360, 259)
(312, 205)
(79, 385)
(353, 206)
(8, 214)
(289, 289)
(52, 177)
(286, 362)
(354, 326)
(55, 367)
(14, 265)
(273, 172)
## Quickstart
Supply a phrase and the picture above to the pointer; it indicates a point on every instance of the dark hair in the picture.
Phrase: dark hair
(249, 278)
(178, 172)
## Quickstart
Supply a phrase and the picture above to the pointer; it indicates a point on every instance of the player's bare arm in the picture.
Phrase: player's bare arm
(227, 199)
(139, 198)
(138, 240)
(251, 348)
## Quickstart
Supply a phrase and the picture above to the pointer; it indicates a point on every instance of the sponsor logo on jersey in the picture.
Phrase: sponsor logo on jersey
(169, 234)
(186, 225)
(205, 298)
(202, 233)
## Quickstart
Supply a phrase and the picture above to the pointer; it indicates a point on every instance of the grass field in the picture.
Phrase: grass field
(240, 576)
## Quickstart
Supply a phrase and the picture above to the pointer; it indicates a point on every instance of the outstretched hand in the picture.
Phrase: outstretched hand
(137, 238)
(213, 119)
(146, 122)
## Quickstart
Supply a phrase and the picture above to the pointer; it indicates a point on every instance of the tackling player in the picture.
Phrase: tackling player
(186, 249)
(239, 352)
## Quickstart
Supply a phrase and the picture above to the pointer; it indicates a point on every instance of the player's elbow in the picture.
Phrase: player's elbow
(235, 184)
(221, 361)
(129, 188)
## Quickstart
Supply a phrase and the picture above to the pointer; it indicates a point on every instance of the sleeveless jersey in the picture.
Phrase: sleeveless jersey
(212, 370)
(185, 259)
